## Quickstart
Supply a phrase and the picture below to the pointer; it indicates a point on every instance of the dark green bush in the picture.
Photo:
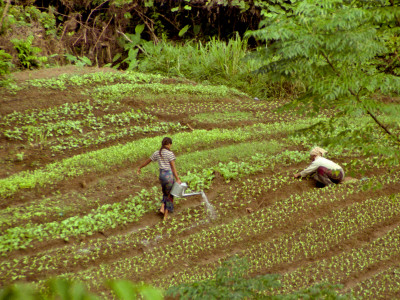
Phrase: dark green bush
(27, 53)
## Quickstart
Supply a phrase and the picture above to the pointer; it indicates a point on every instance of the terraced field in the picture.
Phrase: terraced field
(73, 206)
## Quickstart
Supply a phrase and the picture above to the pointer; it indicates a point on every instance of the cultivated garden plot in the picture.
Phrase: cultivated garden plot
(73, 206)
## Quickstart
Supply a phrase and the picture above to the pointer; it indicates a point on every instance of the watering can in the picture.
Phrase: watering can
(178, 190)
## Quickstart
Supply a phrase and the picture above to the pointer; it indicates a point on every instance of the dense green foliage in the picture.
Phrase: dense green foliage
(336, 49)
(27, 53)
(123, 35)
(5, 64)
(68, 290)
(231, 281)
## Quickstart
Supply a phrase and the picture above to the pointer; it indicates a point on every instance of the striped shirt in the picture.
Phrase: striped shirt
(164, 160)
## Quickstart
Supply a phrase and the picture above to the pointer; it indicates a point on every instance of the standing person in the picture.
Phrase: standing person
(166, 161)
(323, 170)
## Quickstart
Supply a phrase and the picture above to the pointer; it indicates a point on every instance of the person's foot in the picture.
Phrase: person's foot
(162, 209)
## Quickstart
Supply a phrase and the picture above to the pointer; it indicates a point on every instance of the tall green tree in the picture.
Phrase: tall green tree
(336, 49)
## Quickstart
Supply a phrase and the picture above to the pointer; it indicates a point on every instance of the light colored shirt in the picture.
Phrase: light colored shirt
(320, 161)
(163, 160)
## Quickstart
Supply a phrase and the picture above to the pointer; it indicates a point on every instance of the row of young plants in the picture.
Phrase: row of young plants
(102, 160)
(385, 284)
(63, 112)
(220, 114)
(181, 223)
(213, 160)
(49, 130)
(105, 217)
(93, 250)
(342, 267)
(96, 138)
(86, 253)
(305, 243)
(64, 81)
(20, 237)
(117, 92)
(118, 213)
(261, 108)
(45, 208)
(218, 238)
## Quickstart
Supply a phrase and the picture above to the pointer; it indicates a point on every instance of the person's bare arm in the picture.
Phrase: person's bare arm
(173, 168)
(143, 165)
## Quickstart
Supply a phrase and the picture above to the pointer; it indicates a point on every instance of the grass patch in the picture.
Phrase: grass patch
(222, 117)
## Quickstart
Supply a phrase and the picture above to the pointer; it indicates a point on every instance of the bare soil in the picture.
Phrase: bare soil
(119, 183)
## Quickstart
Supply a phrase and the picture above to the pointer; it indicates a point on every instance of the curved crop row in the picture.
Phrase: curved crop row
(119, 91)
(106, 216)
(306, 242)
(86, 253)
(338, 268)
(207, 158)
(63, 81)
(220, 237)
(44, 131)
(384, 285)
(101, 160)
(181, 223)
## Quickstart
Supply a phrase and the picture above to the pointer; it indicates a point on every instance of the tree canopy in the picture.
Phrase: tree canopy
(340, 51)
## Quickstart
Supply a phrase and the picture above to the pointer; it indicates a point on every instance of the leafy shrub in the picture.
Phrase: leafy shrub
(5, 64)
(79, 61)
(25, 16)
(232, 281)
(332, 48)
(215, 62)
(27, 54)
(64, 289)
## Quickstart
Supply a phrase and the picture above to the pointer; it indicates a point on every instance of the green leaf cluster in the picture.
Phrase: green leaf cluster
(233, 281)
(334, 48)
(5, 64)
(27, 53)
(30, 16)
(63, 289)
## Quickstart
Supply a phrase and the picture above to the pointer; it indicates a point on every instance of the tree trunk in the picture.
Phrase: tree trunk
(4, 14)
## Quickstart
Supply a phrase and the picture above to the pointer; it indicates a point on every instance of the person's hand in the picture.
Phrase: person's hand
(138, 171)
(297, 175)
(179, 181)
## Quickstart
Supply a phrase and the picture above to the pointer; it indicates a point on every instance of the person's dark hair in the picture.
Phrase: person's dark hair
(165, 141)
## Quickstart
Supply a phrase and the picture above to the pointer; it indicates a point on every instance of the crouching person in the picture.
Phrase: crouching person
(323, 170)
